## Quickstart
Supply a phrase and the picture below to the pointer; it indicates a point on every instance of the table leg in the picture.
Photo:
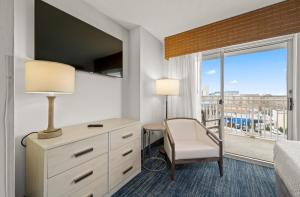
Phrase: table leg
(148, 149)
(149, 143)
(144, 144)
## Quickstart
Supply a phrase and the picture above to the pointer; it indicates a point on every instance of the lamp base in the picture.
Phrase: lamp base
(46, 134)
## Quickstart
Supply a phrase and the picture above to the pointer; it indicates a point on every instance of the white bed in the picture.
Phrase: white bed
(287, 168)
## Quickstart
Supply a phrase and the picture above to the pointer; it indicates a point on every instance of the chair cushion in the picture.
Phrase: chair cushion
(194, 150)
(182, 129)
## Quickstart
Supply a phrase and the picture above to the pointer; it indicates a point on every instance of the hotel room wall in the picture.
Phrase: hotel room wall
(294, 134)
(152, 105)
(297, 82)
(96, 97)
(146, 65)
(131, 87)
(6, 100)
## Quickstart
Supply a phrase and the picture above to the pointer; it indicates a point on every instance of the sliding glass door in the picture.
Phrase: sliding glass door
(211, 90)
(256, 91)
(249, 88)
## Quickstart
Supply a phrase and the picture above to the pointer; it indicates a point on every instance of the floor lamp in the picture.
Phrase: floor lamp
(49, 78)
(167, 87)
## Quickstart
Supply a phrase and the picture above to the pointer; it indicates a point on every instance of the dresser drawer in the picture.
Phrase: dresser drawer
(124, 170)
(96, 189)
(123, 136)
(65, 157)
(128, 151)
(78, 177)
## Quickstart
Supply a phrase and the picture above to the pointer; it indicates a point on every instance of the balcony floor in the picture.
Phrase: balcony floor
(250, 147)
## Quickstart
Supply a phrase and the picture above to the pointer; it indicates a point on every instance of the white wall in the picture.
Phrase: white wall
(96, 97)
(131, 84)
(152, 105)
(146, 65)
(297, 78)
(6, 100)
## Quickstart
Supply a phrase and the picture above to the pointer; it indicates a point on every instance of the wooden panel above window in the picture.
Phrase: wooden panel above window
(275, 20)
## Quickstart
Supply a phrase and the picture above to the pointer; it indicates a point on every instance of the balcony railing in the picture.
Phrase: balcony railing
(251, 115)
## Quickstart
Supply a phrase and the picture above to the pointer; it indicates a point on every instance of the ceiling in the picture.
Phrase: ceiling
(167, 17)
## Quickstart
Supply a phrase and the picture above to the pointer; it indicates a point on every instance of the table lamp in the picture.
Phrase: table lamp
(50, 78)
(167, 87)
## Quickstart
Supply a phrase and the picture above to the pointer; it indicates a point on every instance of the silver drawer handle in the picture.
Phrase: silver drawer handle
(77, 180)
(130, 168)
(127, 136)
(127, 153)
(83, 152)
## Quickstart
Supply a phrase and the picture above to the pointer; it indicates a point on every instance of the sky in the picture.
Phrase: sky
(255, 73)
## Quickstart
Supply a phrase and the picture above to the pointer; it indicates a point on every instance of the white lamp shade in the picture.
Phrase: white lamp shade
(49, 77)
(167, 87)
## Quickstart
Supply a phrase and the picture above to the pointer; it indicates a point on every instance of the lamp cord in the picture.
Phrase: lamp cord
(22, 141)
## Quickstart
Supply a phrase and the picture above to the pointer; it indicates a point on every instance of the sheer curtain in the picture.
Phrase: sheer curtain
(187, 69)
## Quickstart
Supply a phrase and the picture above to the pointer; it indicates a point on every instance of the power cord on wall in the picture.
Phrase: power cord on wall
(22, 141)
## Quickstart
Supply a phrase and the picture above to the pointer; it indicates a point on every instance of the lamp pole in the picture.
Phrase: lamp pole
(166, 107)
(50, 132)
(50, 114)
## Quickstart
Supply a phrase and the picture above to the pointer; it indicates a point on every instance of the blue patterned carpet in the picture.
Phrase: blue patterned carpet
(240, 179)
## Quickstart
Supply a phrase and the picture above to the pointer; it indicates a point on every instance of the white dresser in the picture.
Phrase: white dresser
(84, 162)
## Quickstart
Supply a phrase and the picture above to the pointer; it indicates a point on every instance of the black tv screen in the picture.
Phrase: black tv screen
(63, 38)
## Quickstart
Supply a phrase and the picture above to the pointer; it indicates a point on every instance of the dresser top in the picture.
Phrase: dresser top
(81, 131)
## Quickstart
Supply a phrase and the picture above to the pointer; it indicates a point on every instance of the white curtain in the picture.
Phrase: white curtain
(187, 69)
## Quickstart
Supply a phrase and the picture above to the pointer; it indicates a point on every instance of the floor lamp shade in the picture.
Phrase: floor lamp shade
(50, 78)
(167, 87)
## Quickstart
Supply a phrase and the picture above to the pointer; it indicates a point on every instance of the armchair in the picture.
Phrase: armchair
(188, 141)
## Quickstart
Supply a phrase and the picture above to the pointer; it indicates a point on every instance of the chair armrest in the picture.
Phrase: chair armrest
(169, 135)
(213, 127)
(213, 136)
(210, 134)
(216, 140)
(172, 143)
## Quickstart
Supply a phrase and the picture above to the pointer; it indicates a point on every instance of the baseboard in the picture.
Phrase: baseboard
(250, 160)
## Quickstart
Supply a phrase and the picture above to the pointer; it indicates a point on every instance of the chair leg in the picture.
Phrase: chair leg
(173, 171)
(221, 167)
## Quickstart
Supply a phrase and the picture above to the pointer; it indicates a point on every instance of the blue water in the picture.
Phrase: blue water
(240, 121)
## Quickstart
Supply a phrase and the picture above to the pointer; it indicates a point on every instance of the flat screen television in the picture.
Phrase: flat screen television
(63, 38)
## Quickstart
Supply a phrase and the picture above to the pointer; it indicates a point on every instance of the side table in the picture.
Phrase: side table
(148, 129)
